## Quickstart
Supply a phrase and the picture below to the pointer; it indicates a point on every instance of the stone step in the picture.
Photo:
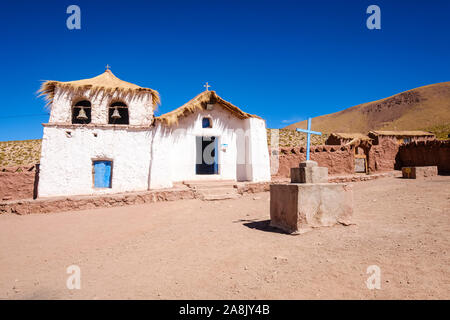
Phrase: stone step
(217, 191)
(210, 190)
(201, 185)
(213, 197)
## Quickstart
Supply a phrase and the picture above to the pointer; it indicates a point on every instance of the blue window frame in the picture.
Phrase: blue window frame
(102, 173)
(206, 123)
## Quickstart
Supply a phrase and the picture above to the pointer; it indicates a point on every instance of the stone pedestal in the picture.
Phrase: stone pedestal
(419, 172)
(296, 208)
(309, 201)
(309, 172)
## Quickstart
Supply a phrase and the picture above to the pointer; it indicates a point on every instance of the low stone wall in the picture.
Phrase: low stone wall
(419, 172)
(384, 157)
(243, 188)
(363, 177)
(17, 182)
(61, 204)
(338, 159)
(426, 153)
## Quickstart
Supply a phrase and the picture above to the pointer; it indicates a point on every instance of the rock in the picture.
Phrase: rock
(419, 172)
(281, 258)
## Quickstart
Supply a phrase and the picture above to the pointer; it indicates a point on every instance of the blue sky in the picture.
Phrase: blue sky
(282, 60)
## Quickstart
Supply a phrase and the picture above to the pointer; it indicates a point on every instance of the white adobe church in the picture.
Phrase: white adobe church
(103, 137)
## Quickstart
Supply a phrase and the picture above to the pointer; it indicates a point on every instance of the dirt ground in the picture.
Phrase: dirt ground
(191, 249)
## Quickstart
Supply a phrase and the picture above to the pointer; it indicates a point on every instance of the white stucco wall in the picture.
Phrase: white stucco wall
(140, 108)
(177, 146)
(259, 150)
(160, 159)
(143, 157)
(66, 163)
(174, 149)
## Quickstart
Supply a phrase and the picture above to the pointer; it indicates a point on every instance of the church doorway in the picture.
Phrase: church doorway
(207, 155)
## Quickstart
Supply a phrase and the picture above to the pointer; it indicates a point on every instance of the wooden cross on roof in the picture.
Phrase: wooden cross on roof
(207, 86)
(107, 67)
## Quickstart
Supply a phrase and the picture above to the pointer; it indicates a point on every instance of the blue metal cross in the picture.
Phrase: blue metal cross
(308, 140)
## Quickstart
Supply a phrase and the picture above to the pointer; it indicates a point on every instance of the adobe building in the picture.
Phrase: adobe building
(102, 137)
(360, 145)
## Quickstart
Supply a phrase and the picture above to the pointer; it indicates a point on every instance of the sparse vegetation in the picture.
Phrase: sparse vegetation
(18, 153)
(293, 138)
(441, 131)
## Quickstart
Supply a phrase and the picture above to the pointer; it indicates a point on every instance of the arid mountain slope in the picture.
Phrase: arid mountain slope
(417, 109)
(18, 153)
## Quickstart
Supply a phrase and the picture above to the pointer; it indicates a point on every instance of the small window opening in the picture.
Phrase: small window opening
(81, 112)
(68, 134)
(206, 122)
(118, 113)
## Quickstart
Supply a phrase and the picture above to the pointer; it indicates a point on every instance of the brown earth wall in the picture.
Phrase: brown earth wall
(382, 156)
(338, 159)
(426, 153)
(17, 183)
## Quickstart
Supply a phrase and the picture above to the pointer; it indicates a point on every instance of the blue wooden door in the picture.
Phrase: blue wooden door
(102, 174)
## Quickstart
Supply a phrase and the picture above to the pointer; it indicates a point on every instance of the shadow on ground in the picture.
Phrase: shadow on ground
(263, 225)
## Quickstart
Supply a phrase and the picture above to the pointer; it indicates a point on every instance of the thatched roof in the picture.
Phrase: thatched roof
(199, 103)
(351, 136)
(106, 81)
(401, 133)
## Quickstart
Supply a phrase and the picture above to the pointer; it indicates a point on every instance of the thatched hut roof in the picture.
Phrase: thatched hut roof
(350, 136)
(106, 81)
(199, 103)
(401, 133)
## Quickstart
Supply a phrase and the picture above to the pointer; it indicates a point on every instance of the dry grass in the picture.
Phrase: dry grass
(401, 133)
(18, 153)
(441, 131)
(359, 136)
(199, 103)
(106, 82)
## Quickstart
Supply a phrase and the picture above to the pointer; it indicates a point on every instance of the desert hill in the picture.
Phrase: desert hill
(423, 108)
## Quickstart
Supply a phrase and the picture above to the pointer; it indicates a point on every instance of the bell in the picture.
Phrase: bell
(82, 115)
(115, 114)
